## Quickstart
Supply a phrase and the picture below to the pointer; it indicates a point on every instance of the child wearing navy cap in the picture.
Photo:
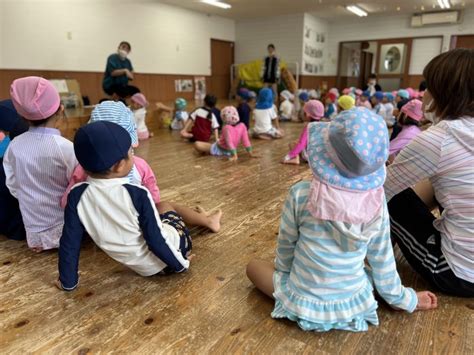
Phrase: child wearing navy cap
(120, 217)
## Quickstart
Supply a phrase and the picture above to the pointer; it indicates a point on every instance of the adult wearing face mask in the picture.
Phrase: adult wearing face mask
(118, 72)
(372, 85)
(437, 170)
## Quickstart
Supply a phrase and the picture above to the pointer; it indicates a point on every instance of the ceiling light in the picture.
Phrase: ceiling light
(357, 10)
(444, 4)
(222, 5)
(398, 8)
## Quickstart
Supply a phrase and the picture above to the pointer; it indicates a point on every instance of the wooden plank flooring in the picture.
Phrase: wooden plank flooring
(213, 308)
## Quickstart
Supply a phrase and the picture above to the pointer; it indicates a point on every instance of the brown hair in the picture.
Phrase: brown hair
(450, 82)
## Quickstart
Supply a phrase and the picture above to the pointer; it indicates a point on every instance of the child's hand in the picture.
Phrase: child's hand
(190, 257)
(233, 158)
(426, 301)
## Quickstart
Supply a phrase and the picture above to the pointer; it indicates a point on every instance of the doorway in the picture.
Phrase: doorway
(222, 57)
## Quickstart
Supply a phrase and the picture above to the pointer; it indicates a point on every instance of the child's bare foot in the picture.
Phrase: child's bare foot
(151, 134)
(294, 161)
(37, 250)
(215, 221)
(185, 134)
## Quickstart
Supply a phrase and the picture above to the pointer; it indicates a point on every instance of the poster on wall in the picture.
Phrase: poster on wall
(183, 85)
(314, 50)
(200, 85)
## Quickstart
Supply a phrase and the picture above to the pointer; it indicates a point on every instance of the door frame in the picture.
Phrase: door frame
(232, 43)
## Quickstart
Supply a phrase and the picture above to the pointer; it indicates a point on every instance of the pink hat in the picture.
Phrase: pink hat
(140, 99)
(314, 109)
(411, 92)
(346, 91)
(358, 92)
(230, 115)
(34, 98)
(413, 109)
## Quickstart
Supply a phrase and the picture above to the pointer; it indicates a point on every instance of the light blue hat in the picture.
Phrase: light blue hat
(403, 94)
(350, 151)
(116, 112)
(180, 103)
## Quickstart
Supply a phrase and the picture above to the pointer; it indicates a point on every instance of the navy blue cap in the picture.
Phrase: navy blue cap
(378, 95)
(8, 116)
(100, 145)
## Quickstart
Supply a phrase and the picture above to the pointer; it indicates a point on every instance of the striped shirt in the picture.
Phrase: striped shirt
(38, 165)
(444, 154)
(321, 280)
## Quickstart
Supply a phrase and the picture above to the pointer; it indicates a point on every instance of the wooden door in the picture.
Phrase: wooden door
(465, 41)
(222, 57)
(366, 59)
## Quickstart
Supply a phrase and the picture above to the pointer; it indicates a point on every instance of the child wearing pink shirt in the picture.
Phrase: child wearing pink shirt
(313, 111)
(233, 133)
(409, 118)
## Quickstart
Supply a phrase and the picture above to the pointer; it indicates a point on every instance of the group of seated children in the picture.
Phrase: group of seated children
(97, 186)
(114, 186)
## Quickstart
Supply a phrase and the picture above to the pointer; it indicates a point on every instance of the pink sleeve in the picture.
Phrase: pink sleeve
(78, 175)
(301, 145)
(148, 178)
(245, 137)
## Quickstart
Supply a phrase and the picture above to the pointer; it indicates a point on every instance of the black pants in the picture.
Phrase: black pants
(411, 224)
(122, 91)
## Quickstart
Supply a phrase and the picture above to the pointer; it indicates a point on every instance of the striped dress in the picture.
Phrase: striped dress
(38, 165)
(444, 154)
(321, 281)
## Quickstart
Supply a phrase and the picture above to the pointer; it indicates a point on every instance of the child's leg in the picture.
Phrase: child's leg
(264, 137)
(192, 217)
(203, 147)
(260, 272)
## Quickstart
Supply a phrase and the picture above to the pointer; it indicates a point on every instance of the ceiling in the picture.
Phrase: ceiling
(328, 9)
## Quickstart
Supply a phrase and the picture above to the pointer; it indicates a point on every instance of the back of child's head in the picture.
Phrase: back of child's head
(413, 112)
(331, 96)
(265, 99)
(180, 104)
(365, 94)
(314, 110)
(346, 102)
(389, 96)
(35, 99)
(303, 96)
(116, 112)
(210, 101)
(378, 96)
(403, 94)
(334, 91)
(230, 115)
(287, 95)
(139, 99)
(350, 151)
(100, 145)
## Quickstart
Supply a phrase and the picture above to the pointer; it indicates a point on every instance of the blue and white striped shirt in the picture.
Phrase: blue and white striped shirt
(321, 281)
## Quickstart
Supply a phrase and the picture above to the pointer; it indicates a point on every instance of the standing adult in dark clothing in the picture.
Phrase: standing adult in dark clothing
(271, 70)
(372, 85)
(118, 72)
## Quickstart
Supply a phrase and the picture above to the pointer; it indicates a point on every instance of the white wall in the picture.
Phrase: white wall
(165, 39)
(423, 50)
(253, 36)
(381, 27)
(316, 26)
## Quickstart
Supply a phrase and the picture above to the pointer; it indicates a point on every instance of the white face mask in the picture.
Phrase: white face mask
(430, 116)
(122, 53)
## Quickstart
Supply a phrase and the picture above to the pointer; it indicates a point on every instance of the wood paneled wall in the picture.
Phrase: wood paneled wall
(314, 82)
(157, 87)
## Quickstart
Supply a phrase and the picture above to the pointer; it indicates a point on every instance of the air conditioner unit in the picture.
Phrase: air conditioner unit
(435, 18)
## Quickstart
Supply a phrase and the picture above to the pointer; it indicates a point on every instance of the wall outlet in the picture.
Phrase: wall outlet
(69, 35)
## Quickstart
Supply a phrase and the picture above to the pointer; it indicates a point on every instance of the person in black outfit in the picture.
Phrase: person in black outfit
(372, 85)
(271, 70)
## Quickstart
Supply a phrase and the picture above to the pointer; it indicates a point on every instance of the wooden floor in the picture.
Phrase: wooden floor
(213, 308)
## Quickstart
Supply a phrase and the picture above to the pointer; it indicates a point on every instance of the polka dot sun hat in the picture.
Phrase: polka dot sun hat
(350, 151)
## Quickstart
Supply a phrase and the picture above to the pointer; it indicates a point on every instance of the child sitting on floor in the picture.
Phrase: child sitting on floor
(287, 109)
(303, 98)
(313, 111)
(364, 100)
(139, 105)
(263, 115)
(330, 226)
(202, 123)
(180, 115)
(409, 119)
(233, 133)
(331, 109)
(245, 98)
(345, 102)
(387, 101)
(121, 217)
(39, 163)
(11, 223)
(141, 173)
(377, 105)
